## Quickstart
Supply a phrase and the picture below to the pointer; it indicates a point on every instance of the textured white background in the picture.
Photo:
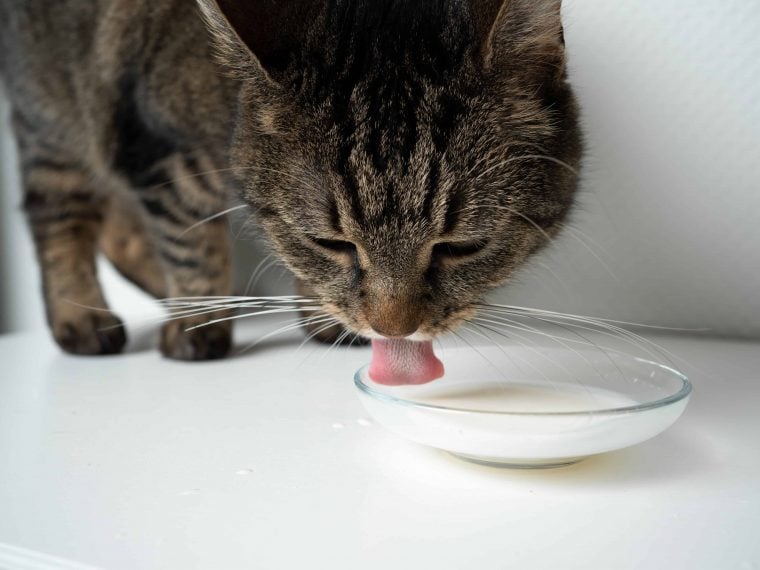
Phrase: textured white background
(671, 98)
(671, 202)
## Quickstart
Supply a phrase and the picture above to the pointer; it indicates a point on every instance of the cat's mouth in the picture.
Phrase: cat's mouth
(400, 361)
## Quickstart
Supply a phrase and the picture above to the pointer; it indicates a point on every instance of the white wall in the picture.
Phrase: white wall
(671, 98)
(20, 306)
(671, 200)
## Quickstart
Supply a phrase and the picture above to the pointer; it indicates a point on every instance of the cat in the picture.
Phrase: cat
(403, 157)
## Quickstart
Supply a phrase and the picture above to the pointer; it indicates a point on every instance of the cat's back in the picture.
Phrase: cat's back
(44, 39)
(65, 64)
(47, 41)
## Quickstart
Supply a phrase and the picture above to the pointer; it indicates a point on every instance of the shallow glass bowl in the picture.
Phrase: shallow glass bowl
(529, 407)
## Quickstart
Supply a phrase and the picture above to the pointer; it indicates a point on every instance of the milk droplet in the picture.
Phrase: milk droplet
(244, 471)
(338, 425)
(363, 422)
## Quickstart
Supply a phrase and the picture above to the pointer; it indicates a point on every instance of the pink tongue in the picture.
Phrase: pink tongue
(396, 361)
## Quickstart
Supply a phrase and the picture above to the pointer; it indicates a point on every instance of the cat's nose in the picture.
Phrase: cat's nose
(394, 331)
(393, 307)
(394, 320)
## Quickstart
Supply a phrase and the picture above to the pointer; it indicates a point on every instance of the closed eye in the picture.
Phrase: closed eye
(334, 245)
(458, 249)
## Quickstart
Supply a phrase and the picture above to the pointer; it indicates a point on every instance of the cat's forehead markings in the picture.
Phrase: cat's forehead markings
(401, 193)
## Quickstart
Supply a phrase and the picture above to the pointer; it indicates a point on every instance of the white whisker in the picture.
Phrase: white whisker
(293, 324)
(597, 319)
(510, 357)
(249, 286)
(293, 298)
(213, 217)
(274, 261)
(549, 238)
(243, 316)
(524, 360)
(335, 343)
(548, 268)
(483, 356)
(330, 323)
(505, 322)
(603, 324)
(557, 364)
(198, 312)
(527, 157)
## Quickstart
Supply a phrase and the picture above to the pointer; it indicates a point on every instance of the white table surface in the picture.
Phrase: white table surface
(268, 461)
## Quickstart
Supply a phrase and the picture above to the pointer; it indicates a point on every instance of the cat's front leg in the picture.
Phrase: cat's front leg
(65, 215)
(194, 252)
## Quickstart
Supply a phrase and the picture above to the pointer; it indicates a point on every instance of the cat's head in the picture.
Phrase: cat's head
(404, 157)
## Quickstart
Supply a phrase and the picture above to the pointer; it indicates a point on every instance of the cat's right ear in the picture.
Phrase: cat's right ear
(260, 33)
(525, 35)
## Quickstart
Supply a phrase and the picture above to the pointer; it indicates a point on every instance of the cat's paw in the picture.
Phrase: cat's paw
(333, 334)
(89, 332)
(204, 343)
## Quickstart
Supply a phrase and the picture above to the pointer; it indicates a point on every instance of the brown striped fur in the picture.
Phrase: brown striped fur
(388, 148)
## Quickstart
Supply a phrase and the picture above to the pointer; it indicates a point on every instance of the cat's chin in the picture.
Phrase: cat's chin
(400, 361)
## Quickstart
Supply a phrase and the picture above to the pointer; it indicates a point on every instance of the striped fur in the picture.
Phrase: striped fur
(387, 147)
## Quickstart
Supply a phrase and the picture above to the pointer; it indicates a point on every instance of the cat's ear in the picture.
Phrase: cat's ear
(518, 32)
(264, 33)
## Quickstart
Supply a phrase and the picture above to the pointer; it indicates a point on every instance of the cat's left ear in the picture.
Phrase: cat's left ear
(260, 33)
(519, 33)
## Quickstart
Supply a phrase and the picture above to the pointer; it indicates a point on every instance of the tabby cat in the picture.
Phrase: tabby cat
(402, 156)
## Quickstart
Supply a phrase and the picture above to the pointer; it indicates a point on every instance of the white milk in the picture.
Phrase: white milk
(521, 398)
